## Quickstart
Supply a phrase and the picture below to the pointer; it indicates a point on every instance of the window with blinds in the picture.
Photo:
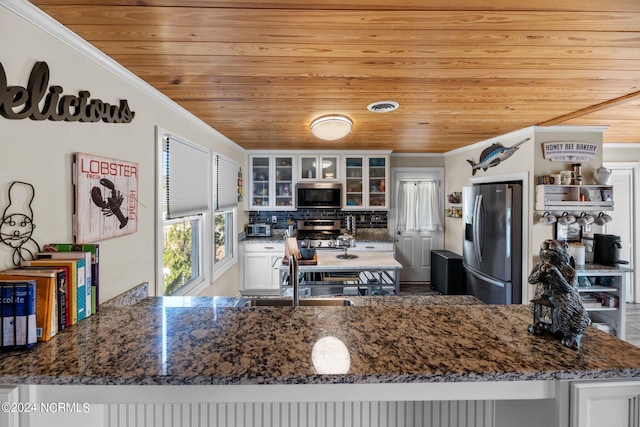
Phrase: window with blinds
(225, 204)
(187, 184)
(186, 198)
(226, 183)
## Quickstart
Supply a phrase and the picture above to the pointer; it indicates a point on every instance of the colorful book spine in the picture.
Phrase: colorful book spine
(84, 277)
(63, 293)
(47, 313)
(72, 282)
(94, 250)
(18, 311)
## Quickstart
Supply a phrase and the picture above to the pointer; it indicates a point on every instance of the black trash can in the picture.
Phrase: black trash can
(447, 273)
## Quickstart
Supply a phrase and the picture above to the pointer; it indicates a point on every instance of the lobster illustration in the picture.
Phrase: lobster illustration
(110, 206)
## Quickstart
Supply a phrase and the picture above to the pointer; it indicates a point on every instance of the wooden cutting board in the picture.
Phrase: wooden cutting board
(291, 247)
(312, 261)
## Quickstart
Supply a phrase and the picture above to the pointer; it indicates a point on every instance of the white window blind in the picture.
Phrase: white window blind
(187, 172)
(226, 183)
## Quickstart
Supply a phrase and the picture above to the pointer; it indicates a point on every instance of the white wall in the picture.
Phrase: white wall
(40, 152)
(528, 161)
(627, 156)
(458, 173)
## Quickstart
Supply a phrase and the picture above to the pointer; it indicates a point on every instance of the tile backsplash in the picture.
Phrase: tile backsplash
(364, 219)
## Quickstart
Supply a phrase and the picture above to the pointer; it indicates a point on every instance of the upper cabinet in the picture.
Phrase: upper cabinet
(366, 182)
(574, 198)
(273, 177)
(271, 184)
(318, 167)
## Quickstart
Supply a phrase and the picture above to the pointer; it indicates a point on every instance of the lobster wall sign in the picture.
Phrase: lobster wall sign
(106, 198)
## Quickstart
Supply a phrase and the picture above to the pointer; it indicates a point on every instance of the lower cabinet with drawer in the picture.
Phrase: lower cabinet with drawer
(259, 269)
(388, 247)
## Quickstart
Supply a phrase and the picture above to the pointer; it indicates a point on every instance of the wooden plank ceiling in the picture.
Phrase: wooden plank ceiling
(461, 70)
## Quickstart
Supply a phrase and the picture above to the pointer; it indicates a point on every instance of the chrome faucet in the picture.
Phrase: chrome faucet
(295, 281)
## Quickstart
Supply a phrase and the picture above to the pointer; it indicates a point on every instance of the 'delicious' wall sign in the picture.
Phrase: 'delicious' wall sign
(17, 102)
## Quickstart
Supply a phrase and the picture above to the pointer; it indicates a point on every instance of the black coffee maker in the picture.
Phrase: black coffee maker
(606, 250)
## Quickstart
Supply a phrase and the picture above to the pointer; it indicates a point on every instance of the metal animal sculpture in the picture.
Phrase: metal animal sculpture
(493, 155)
(556, 281)
(17, 224)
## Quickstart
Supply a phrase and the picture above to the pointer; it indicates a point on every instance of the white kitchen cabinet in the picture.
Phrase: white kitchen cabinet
(574, 197)
(318, 167)
(387, 247)
(366, 182)
(605, 403)
(259, 268)
(614, 286)
(271, 183)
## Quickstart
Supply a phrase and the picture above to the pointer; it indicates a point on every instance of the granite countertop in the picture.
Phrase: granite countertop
(210, 341)
(331, 260)
(363, 236)
(602, 269)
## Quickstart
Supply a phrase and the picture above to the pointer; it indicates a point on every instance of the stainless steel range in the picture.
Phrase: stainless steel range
(318, 233)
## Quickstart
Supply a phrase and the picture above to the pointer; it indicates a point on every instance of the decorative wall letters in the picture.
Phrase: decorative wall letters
(18, 102)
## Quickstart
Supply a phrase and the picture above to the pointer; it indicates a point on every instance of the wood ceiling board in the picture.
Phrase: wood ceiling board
(463, 71)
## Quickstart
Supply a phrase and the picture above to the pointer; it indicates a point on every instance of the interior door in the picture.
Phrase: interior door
(413, 248)
(623, 220)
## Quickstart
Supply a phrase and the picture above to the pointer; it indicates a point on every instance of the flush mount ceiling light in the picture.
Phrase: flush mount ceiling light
(331, 128)
(383, 106)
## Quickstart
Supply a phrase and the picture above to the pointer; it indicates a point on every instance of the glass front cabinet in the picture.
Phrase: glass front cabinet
(318, 168)
(366, 182)
(271, 182)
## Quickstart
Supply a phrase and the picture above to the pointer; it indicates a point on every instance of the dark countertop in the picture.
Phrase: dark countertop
(364, 236)
(601, 269)
(209, 341)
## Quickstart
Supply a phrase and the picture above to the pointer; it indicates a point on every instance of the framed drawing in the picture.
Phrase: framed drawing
(568, 232)
(106, 196)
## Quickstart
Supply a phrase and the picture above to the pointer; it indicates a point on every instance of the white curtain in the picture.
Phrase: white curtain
(418, 206)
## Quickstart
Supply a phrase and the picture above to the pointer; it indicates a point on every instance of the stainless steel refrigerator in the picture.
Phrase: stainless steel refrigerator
(492, 242)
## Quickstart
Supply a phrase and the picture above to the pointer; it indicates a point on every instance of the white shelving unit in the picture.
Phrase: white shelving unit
(612, 316)
(574, 197)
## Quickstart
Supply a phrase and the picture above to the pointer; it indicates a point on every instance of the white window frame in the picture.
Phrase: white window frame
(218, 269)
(205, 218)
(199, 279)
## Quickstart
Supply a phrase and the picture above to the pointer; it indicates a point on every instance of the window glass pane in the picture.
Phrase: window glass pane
(223, 236)
(181, 254)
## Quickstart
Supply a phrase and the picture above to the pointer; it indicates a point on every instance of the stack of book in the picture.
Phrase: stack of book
(66, 282)
(18, 311)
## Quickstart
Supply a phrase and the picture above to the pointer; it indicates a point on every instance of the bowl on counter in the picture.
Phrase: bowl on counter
(307, 253)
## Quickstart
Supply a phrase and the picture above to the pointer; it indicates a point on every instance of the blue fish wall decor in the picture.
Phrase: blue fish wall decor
(493, 155)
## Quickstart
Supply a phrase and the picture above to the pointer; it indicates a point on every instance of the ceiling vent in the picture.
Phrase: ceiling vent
(383, 106)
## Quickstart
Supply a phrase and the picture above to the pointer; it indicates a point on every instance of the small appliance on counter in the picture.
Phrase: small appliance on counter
(258, 230)
(606, 250)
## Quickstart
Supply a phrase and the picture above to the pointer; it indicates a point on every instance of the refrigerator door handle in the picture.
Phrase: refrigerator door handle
(477, 207)
(484, 278)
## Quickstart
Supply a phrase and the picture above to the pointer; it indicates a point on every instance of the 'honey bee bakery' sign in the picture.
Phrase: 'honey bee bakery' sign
(569, 151)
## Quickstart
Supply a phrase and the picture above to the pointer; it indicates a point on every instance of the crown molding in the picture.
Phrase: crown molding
(46, 23)
(621, 145)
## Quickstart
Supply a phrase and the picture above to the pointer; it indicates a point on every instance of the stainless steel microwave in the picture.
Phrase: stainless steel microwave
(319, 195)
(258, 230)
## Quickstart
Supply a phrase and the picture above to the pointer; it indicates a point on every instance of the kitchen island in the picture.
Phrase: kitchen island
(360, 269)
(210, 353)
